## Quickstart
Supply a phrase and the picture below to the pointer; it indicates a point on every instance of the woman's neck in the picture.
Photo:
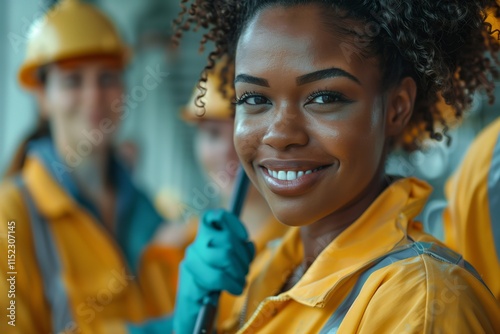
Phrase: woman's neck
(92, 178)
(90, 172)
(317, 236)
(92, 175)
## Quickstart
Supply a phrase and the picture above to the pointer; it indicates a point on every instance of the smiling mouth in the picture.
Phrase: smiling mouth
(293, 178)
(293, 181)
(289, 175)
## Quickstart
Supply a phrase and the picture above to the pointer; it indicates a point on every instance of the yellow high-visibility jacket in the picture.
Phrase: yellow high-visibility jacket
(381, 275)
(472, 216)
(67, 272)
(273, 231)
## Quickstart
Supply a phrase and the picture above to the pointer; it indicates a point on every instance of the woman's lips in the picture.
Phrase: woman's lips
(293, 182)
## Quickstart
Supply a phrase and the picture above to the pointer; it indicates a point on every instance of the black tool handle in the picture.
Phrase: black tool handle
(206, 318)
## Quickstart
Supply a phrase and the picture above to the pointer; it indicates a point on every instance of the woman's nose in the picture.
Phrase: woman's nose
(93, 94)
(287, 129)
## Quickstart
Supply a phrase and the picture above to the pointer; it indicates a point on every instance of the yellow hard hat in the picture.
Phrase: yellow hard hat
(217, 107)
(71, 29)
(491, 19)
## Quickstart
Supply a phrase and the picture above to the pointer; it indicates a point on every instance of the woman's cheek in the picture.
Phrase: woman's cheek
(114, 106)
(246, 138)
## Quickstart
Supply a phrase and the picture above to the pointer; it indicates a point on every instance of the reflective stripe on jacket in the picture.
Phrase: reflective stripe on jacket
(106, 278)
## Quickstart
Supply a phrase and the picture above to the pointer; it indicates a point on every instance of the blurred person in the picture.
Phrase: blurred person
(81, 227)
(471, 216)
(213, 115)
(468, 220)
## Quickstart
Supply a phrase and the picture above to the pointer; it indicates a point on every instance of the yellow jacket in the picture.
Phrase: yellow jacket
(273, 231)
(472, 217)
(373, 278)
(102, 278)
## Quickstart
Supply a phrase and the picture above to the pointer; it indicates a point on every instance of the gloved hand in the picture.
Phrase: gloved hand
(218, 260)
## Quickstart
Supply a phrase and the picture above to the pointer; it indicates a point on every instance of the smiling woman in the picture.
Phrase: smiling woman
(317, 112)
(324, 91)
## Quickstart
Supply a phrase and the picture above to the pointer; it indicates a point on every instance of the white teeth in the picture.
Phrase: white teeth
(289, 175)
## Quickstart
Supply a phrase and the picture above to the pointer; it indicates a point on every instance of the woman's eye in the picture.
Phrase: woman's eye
(325, 99)
(252, 99)
(110, 79)
(256, 100)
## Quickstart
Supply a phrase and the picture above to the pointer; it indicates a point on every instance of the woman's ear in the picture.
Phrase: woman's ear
(400, 106)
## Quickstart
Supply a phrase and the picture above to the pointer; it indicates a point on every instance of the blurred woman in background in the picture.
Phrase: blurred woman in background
(81, 226)
(214, 150)
(213, 115)
(472, 215)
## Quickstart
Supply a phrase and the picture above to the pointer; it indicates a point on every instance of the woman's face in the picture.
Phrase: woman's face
(82, 102)
(216, 154)
(310, 121)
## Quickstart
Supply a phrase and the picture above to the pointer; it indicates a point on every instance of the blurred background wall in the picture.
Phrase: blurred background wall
(152, 130)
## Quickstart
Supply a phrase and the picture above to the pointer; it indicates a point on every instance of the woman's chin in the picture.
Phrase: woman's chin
(292, 220)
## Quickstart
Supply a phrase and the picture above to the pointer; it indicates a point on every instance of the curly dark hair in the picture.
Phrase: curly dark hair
(448, 47)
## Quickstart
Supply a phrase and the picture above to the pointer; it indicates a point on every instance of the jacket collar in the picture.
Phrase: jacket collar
(383, 226)
(54, 190)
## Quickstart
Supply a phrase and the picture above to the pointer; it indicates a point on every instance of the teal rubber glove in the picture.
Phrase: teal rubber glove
(218, 260)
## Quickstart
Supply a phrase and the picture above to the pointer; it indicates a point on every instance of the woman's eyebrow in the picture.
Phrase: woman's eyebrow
(302, 80)
(324, 74)
(251, 80)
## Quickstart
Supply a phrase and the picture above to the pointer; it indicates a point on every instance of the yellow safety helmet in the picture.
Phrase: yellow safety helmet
(491, 19)
(217, 107)
(70, 30)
